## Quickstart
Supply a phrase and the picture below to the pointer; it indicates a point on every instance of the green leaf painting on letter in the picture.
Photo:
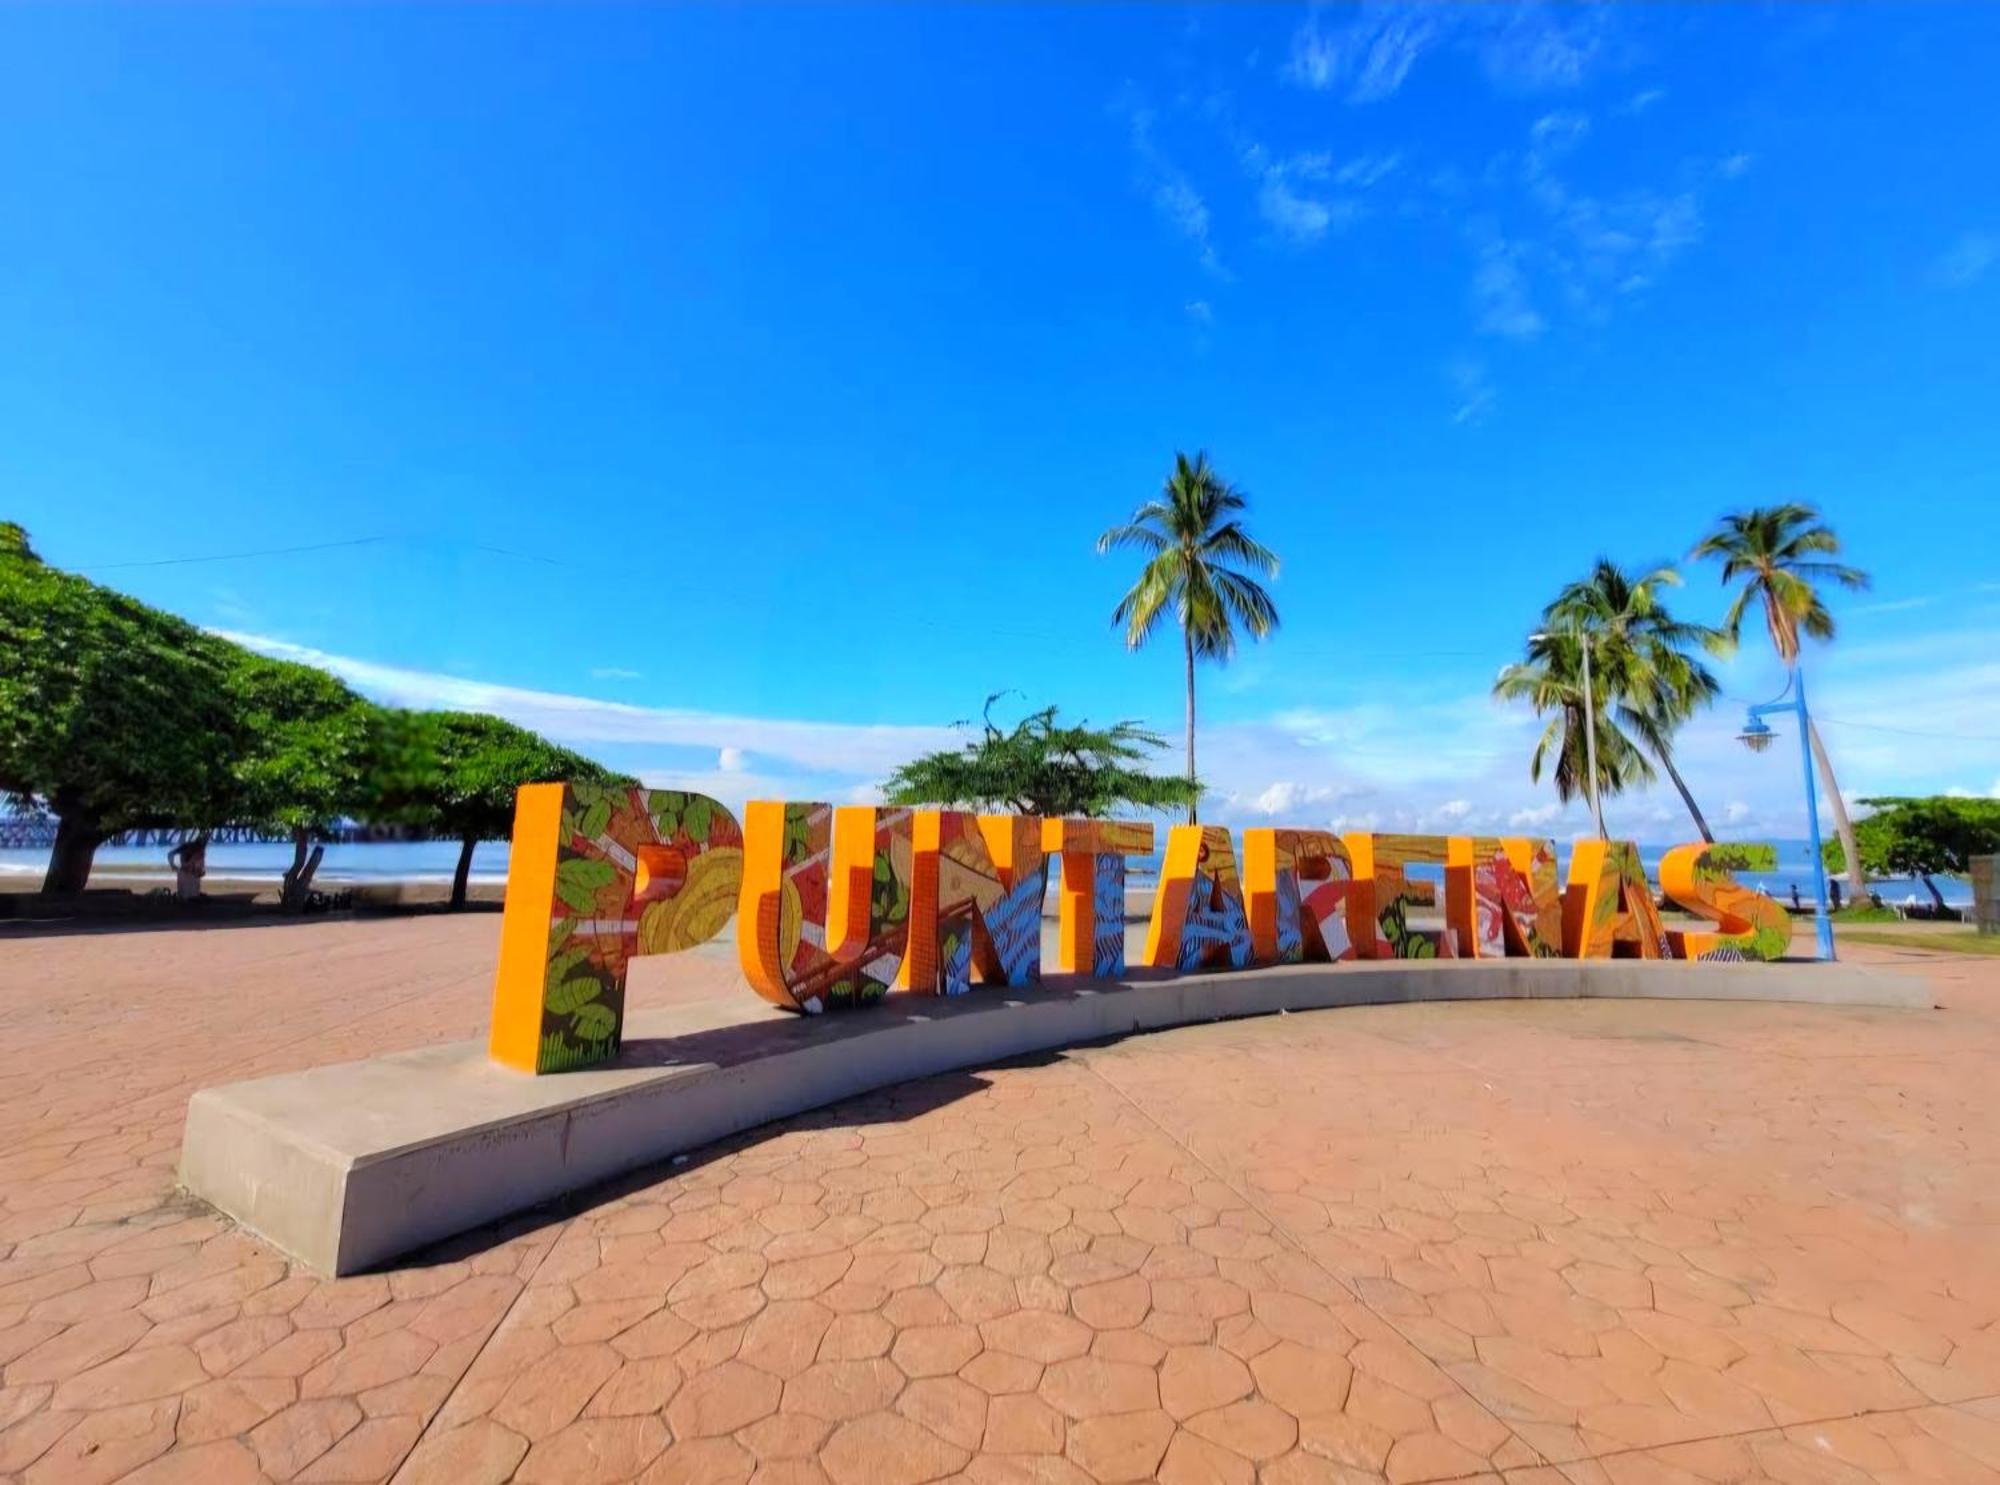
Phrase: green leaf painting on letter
(579, 880)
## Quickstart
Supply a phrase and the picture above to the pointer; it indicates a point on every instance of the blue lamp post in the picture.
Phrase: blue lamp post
(1756, 736)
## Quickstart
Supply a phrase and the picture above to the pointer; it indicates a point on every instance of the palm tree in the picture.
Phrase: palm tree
(1551, 680)
(1779, 552)
(1195, 546)
(1640, 658)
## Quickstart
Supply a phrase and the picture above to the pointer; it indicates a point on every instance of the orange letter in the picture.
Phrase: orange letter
(975, 902)
(1378, 907)
(1752, 925)
(1090, 927)
(597, 875)
(1198, 918)
(1609, 910)
(825, 911)
(1274, 863)
(1501, 897)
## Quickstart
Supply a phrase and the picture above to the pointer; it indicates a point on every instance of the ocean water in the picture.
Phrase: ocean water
(384, 861)
(434, 861)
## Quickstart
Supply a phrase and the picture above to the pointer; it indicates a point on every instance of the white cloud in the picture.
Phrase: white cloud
(1288, 798)
(1473, 390)
(1173, 195)
(1642, 100)
(1913, 714)
(1375, 47)
(1500, 295)
(1370, 56)
(1200, 311)
(1738, 164)
(1297, 217)
(1967, 260)
(612, 673)
(830, 747)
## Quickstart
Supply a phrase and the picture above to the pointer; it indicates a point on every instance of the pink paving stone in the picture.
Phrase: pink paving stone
(106, 1445)
(887, 1449)
(594, 1449)
(1542, 1186)
(294, 1437)
(1124, 1446)
(477, 1453)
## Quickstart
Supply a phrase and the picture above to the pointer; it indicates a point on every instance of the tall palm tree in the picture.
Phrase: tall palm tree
(1778, 553)
(1551, 680)
(1641, 658)
(1195, 545)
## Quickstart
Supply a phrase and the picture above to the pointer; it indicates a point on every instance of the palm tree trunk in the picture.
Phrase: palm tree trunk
(1187, 637)
(1701, 824)
(1857, 879)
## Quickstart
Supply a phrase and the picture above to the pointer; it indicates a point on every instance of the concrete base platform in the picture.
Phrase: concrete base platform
(350, 1166)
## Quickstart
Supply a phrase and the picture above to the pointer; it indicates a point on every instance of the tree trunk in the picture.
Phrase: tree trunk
(1936, 896)
(298, 877)
(1857, 879)
(1187, 637)
(1667, 762)
(458, 878)
(76, 843)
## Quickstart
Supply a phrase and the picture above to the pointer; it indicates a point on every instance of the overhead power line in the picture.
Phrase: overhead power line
(1909, 731)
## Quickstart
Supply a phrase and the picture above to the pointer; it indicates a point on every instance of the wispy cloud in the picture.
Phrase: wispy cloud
(1368, 57)
(1172, 193)
(1968, 259)
(612, 673)
(1370, 51)
(820, 747)
(1914, 714)
(1472, 389)
(1500, 294)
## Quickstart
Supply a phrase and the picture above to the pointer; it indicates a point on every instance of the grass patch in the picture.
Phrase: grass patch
(1945, 943)
(1866, 912)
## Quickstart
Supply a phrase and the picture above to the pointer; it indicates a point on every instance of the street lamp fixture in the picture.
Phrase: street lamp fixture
(1757, 736)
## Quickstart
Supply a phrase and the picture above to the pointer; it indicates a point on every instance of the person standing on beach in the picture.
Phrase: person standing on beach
(189, 860)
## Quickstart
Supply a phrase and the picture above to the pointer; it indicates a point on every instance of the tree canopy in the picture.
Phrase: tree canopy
(115, 716)
(467, 767)
(1041, 766)
(1922, 838)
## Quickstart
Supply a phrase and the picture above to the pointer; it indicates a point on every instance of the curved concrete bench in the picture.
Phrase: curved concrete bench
(350, 1166)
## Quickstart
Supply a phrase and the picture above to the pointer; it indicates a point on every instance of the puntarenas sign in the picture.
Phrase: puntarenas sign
(841, 906)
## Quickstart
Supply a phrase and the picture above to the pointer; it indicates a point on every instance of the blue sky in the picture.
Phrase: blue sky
(737, 392)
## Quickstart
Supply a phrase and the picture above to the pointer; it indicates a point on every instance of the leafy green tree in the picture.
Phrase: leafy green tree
(1040, 766)
(463, 769)
(1780, 554)
(1921, 838)
(113, 716)
(1196, 548)
(306, 760)
(1744, 856)
(1646, 676)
